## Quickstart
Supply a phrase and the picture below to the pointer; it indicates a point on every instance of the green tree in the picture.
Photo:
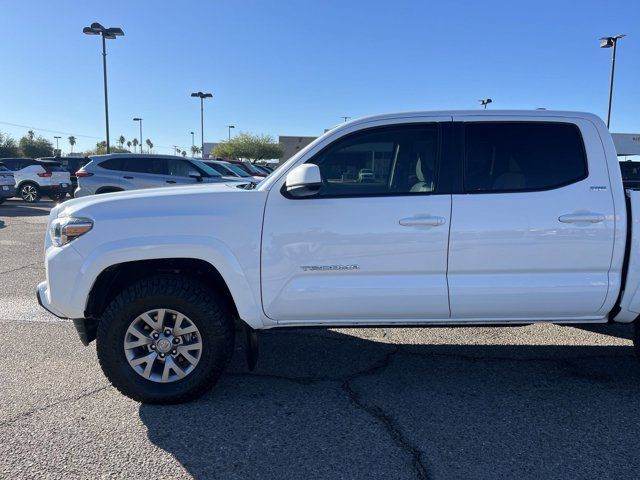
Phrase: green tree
(72, 142)
(129, 145)
(250, 147)
(135, 144)
(184, 153)
(8, 146)
(33, 147)
(149, 144)
(195, 150)
(121, 141)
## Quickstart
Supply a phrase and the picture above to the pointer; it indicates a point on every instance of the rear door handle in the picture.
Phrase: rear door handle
(127, 177)
(582, 218)
(428, 221)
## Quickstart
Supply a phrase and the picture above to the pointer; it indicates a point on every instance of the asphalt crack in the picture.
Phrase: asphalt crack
(20, 268)
(33, 411)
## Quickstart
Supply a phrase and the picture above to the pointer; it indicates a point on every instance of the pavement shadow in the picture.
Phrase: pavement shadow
(324, 404)
(14, 209)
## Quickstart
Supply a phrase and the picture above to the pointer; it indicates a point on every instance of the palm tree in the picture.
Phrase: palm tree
(149, 144)
(195, 150)
(184, 153)
(31, 135)
(121, 141)
(129, 145)
(135, 144)
(72, 142)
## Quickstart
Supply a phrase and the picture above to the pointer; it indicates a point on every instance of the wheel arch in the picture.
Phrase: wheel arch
(115, 278)
(109, 189)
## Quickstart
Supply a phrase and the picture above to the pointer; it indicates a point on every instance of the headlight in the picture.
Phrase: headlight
(65, 229)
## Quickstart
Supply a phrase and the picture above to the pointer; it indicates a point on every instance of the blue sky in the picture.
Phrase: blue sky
(295, 67)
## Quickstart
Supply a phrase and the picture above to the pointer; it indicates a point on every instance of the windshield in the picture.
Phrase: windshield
(235, 169)
(252, 168)
(206, 168)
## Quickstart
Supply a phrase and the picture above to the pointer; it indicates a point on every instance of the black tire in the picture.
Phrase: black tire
(29, 192)
(57, 196)
(208, 310)
(636, 338)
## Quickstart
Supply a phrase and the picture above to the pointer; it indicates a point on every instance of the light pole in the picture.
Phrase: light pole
(57, 138)
(138, 119)
(175, 150)
(608, 42)
(345, 119)
(106, 33)
(485, 102)
(202, 96)
(192, 140)
(230, 127)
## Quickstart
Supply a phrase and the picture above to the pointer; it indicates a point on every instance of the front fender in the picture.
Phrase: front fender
(208, 249)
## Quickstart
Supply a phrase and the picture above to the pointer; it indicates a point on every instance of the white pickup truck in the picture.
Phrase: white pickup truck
(469, 218)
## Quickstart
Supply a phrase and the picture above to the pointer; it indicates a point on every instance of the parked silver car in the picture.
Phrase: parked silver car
(125, 171)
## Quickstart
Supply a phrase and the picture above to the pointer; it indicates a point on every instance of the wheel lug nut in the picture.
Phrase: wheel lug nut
(167, 332)
(155, 335)
(152, 347)
(174, 351)
(162, 355)
(176, 340)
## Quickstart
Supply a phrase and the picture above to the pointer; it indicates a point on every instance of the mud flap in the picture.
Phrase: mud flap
(251, 347)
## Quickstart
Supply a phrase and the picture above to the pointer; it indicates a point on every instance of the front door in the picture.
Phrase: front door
(372, 244)
(532, 235)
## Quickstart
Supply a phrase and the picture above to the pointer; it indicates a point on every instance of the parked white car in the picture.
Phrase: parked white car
(35, 178)
(475, 218)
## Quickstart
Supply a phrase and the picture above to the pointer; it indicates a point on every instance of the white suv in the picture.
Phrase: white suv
(35, 178)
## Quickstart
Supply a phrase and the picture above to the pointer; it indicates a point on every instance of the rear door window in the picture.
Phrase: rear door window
(522, 156)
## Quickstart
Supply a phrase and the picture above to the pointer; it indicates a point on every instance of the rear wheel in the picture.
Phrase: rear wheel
(165, 339)
(29, 192)
(57, 196)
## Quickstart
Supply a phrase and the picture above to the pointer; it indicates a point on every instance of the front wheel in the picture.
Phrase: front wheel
(30, 193)
(636, 338)
(165, 339)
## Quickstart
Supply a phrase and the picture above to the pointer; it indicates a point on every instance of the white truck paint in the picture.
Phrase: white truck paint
(452, 258)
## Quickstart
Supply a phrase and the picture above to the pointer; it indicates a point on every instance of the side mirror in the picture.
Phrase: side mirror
(196, 175)
(304, 180)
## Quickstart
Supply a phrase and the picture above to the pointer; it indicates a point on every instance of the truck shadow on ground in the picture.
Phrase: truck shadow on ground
(325, 404)
(19, 209)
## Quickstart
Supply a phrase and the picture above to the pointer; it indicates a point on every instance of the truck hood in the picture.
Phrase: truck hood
(148, 200)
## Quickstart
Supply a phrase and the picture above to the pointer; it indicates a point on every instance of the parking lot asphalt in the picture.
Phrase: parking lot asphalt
(539, 401)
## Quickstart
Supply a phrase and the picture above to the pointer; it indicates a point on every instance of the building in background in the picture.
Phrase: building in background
(208, 146)
(292, 145)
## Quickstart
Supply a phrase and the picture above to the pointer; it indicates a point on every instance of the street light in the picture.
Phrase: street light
(345, 119)
(192, 140)
(230, 127)
(57, 138)
(608, 42)
(485, 102)
(202, 96)
(138, 119)
(106, 33)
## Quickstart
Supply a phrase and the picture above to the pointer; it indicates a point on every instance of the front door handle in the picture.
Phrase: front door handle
(128, 177)
(582, 218)
(170, 181)
(428, 221)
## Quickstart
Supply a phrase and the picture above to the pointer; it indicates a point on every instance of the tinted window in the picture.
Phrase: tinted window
(3, 168)
(53, 167)
(207, 168)
(234, 169)
(630, 171)
(390, 160)
(179, 168)
(112, 164)
(520, 156)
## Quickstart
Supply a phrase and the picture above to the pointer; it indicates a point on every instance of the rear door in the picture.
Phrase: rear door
(532, 235)
(371, 249)
(145, 172)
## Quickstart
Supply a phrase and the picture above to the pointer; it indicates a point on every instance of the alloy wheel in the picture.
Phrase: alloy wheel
(29, 193)
(162, 345)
